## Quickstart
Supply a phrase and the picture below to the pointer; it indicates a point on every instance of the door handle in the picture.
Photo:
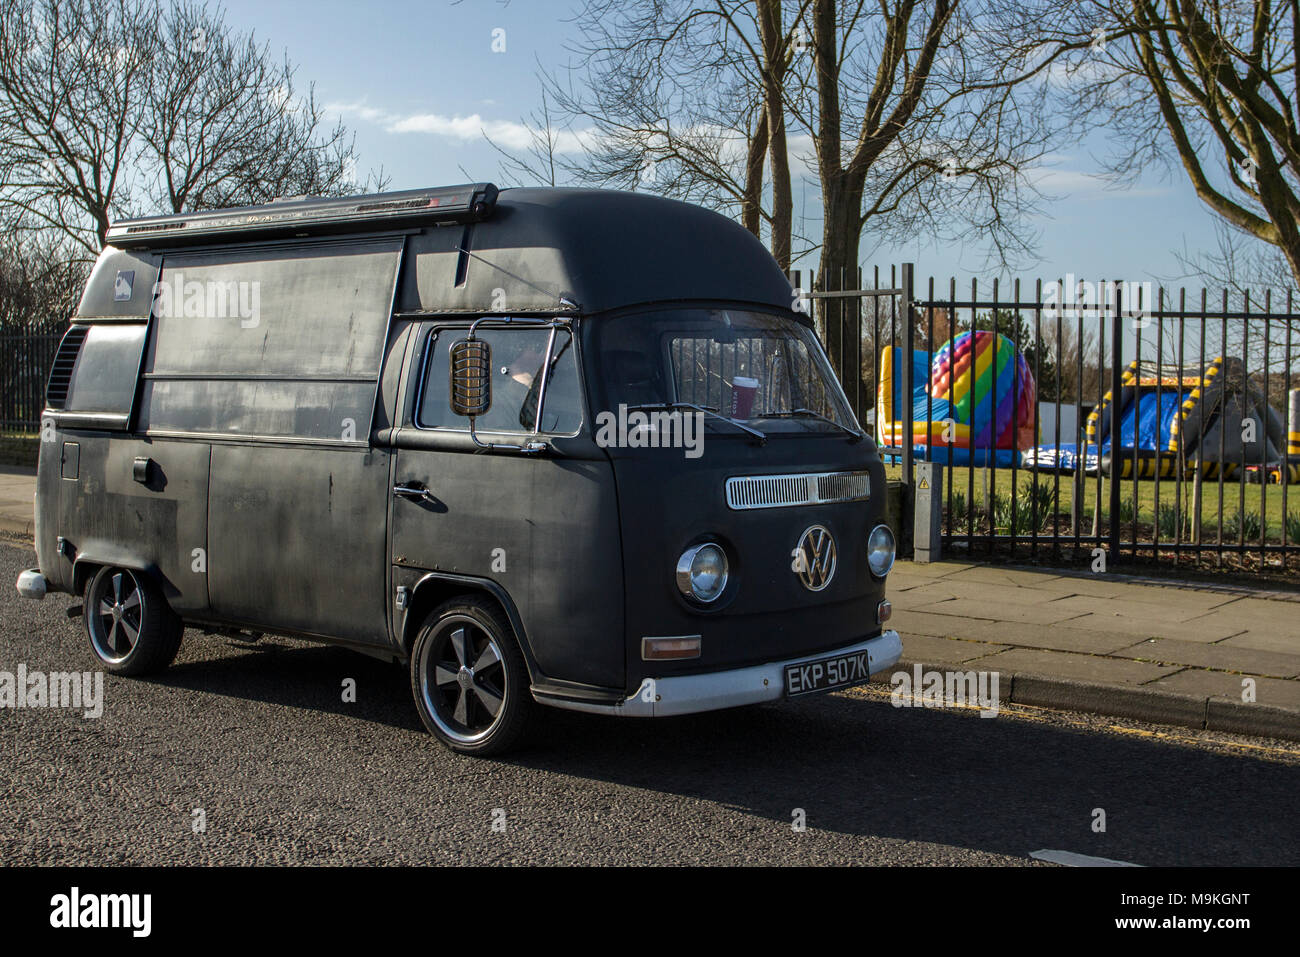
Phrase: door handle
(413, 491)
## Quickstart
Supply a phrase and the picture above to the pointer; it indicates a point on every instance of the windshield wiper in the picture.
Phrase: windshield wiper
(792, 413)
(708, 410)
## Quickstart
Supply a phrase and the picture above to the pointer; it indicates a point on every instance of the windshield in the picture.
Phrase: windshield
(762, 369)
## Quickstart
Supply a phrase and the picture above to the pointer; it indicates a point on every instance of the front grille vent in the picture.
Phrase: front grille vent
(809, 488)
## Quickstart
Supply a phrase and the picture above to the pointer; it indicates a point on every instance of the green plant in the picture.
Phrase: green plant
(1171, 524)
(957, 508)
(1126, 511)
(1293, 528)
(1040, 500)
(1236, 528)
(1014, 518)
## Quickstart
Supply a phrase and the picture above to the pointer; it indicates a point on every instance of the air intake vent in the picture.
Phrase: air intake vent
(56, 393)
(809, 488)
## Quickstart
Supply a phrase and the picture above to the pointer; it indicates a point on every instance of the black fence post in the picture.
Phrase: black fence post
(909, 345)
(1116, 384)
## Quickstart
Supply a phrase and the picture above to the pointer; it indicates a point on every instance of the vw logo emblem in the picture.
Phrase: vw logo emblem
(815, 558)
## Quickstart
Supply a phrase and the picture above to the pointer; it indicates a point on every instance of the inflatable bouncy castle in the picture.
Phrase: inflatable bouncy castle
(1174, 420)
(972, 401)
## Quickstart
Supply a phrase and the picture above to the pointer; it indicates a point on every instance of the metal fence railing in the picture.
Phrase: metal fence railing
(1083, 420)
(25, 362)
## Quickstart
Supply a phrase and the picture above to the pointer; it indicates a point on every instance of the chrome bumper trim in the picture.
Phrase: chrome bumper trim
(689, 694)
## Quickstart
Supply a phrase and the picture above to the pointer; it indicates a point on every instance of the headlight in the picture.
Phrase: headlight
(702, 572)
(880, 550)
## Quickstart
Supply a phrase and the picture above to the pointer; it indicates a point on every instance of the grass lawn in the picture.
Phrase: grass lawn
(1260, 500)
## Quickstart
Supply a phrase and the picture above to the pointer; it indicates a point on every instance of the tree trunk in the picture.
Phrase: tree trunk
(842, 202)
(752, 206)
(774, 68)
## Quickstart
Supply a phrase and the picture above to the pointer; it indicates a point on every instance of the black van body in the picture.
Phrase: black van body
(248, 428)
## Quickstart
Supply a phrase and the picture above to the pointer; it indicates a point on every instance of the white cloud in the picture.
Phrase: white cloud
(1053, 176)
(508, 134)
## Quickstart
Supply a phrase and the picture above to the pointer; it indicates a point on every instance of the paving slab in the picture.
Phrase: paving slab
(993, 575)
(1060, 637)
(908, 622)
(927, 570)
(947, 588)
(927, 648)
(1196, 601)
(1275, 692)
(1287, 642)
(1097, 586)
(1092, 668)
(1260, 612)
(1043, 614)
(1110, 622)
(1214, 656)
(1161, 608)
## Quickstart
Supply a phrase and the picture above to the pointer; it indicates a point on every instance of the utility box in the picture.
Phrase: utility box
(928, 510)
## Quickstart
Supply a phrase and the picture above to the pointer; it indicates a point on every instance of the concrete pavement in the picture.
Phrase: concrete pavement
(17, 497)
(1226, 659)
(1106, 643)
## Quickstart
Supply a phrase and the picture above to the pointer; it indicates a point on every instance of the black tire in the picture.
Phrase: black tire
(119, 601)
(464, 659)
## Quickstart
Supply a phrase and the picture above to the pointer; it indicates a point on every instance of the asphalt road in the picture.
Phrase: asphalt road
(284, 771)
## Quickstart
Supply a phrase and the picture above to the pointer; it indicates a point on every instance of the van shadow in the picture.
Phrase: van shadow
(296, 674)
(1006, 785)
(856, 765)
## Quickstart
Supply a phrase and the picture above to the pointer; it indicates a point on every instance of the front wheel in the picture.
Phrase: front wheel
(132, 629)
(469, 678)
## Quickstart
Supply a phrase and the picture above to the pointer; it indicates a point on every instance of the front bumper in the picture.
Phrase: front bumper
(31, 584)
(689, 694)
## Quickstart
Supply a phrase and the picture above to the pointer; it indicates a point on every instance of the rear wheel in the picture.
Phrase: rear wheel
(469, 678)
(132, 629)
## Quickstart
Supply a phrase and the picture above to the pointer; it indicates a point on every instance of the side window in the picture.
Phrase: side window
(517, 359)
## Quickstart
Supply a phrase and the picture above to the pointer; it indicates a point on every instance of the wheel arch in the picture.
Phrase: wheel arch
(435, 588)
(86, 564)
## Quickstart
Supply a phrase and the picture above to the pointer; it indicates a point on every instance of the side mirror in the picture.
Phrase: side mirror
(470, 377)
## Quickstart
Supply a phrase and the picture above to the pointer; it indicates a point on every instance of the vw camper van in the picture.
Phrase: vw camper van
(562, 447)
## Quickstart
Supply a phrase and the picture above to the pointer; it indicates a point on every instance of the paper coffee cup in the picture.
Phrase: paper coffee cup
(743, 390)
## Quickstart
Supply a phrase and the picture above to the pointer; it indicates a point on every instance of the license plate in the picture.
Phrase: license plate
(826, 674)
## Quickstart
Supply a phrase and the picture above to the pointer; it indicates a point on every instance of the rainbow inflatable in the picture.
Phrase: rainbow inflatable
(975, 397)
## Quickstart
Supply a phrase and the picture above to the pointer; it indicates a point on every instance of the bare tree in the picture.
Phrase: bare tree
(1205, 86)
(225, 126)
(913, 125)
(920, 129)
(686, 98)
(73, 83)
(115, 107)
(542, 162)
(41, 280)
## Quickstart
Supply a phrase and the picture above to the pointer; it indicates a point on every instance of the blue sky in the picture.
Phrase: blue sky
(418, 82)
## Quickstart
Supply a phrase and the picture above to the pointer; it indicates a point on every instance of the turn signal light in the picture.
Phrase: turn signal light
(884, 611)
(667, 649)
